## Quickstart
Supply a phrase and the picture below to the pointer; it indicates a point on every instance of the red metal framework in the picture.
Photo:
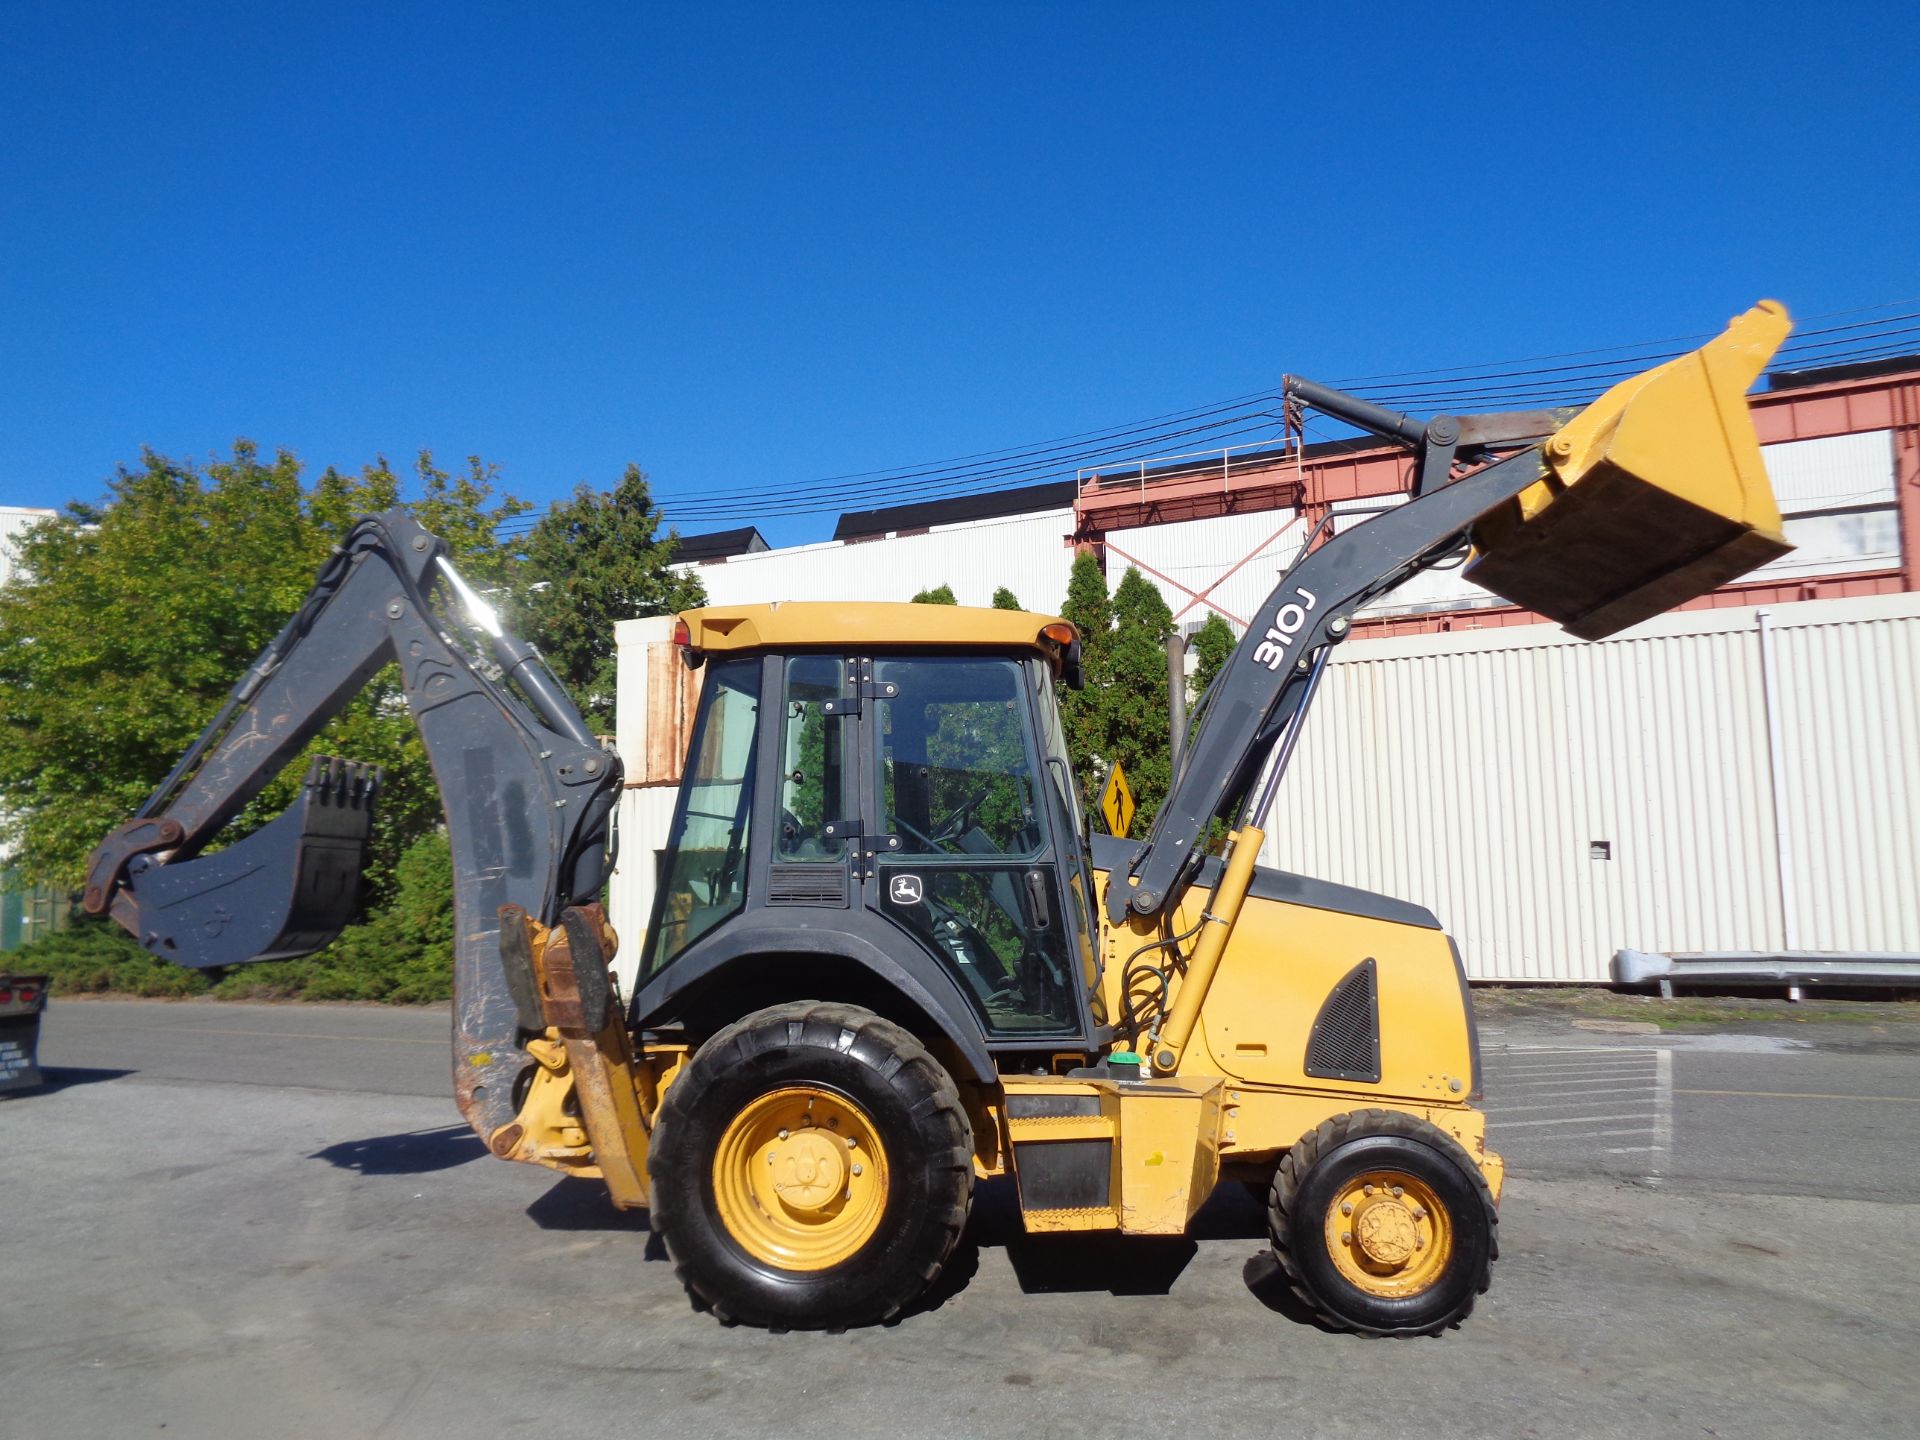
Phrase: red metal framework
(1313, 480)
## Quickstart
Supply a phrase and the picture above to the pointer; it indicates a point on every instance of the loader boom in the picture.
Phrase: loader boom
(526, 790)
(1600, 517)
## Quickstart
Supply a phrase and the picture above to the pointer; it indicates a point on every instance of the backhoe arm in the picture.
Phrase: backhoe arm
(526, 790)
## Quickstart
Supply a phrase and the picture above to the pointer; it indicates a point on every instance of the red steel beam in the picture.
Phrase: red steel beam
(1285, 480)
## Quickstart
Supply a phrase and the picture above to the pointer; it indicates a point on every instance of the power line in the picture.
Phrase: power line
(1523, 383)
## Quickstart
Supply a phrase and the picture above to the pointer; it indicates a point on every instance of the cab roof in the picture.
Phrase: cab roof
(794, 624)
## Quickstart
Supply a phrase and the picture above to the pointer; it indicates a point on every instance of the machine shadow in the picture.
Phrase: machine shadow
(1084, 1263)
(411, 1152)
(576, 1204)
(1042, 1264)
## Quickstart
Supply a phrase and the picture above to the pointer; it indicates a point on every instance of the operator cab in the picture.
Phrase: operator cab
(903, 790)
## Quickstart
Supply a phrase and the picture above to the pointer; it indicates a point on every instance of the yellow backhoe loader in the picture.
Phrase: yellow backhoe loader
(887, 960)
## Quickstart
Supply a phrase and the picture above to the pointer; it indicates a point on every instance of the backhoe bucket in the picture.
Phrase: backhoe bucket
(1655, 493)
(286, 890)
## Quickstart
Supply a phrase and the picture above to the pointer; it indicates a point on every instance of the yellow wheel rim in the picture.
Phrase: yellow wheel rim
(800, 1179)
(1389, 1235)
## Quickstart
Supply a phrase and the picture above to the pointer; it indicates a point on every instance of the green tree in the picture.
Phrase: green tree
(1135, 691)
(1082, 712)
(939, 595)
(1121, 715)
(1005, 599)
(1211, 644)
(595, 558)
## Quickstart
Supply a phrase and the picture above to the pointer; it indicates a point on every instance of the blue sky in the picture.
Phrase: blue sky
(759, 245)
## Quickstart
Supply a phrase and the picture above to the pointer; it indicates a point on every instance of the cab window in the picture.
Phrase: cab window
(704, 874)
(956, 763)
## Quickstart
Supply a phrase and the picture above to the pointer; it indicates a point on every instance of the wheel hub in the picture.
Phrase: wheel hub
(800, 1178)
(1388, 1234)
(1385, 1233)
(808, 1171)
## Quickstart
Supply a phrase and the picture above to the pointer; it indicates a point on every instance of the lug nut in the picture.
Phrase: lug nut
(1346, 1208)
(1364, 1189)
(1419, 1212)
(852, 1143)
(1398, 1192)
(856, 1169)
(1346, 1237)
(783, 1134)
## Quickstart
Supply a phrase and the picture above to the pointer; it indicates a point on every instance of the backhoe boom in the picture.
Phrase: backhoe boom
(526, 791)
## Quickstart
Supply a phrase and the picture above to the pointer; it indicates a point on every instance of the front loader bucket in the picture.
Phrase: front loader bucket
(286, 890)
(1654, 494)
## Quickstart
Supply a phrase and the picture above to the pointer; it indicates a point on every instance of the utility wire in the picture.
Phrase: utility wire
(1523, 383)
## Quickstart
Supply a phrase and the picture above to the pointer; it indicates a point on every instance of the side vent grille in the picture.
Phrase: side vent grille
(1345, 1041)
(807, 885)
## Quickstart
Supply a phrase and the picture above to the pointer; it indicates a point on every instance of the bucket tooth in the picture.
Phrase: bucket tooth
(1653, 495)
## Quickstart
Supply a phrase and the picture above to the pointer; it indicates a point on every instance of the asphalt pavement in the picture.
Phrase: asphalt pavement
(252, 1220)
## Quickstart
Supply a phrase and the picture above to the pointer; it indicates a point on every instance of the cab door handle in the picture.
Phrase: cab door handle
(1037, 893)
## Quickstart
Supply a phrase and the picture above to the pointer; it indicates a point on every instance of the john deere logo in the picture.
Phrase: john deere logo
(905, 890)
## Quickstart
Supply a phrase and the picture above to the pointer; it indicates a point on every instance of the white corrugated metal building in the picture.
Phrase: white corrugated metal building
(1741, 779)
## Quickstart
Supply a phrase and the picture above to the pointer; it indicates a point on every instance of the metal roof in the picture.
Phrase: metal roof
(871, 624)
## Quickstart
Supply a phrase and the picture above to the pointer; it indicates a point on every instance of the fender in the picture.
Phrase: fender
(760, 934)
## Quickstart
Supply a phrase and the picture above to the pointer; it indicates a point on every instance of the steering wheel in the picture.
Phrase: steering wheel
(956, 824)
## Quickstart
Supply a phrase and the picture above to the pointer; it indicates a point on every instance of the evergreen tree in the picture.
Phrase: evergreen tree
(1082, 711)
(1005, 599)
(939, 595)
(1211, 644)
(1136, 712)
(1087, 604)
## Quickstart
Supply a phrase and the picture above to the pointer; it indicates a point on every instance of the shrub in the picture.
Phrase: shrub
(97, 957)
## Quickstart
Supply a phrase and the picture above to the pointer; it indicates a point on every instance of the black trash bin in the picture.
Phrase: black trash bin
(22, 999)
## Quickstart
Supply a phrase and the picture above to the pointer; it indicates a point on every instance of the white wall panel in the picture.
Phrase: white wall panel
(1191, 555)
(1831, 471)
(646, 812)
(13, 520)
(1026, 553)
(1850, 694)
(1471, 771)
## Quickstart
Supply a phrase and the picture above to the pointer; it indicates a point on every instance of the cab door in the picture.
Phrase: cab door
(958, 849)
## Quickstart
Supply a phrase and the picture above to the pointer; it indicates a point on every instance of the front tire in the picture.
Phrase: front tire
(1383, 1224)
(812, 1168)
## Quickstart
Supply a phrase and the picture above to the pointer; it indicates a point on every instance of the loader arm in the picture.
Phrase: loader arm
(1266, 682)
(526, 790)
(1598, 518)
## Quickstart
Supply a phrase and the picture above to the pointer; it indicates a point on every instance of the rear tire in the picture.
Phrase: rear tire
(1417, 1245)
(758, 1201)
